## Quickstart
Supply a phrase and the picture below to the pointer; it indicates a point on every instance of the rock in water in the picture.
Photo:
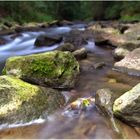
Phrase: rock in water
(23, 102)
(80, 54)
(45, 40)
(104, 101)
(120, 53)
(127, 106)
(54, 69)
(76, 38)
(130, 64)
(2, 41)
(66, 47)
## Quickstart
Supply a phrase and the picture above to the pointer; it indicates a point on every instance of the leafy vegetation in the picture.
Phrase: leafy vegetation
(39, 11)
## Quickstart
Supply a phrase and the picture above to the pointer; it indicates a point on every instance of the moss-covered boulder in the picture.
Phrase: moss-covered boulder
(23, 102)
(54, 69)
(127, 106)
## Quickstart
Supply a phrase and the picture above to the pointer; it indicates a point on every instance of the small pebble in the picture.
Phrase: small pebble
(112, 81)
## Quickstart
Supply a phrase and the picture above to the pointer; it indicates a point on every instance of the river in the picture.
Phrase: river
(87, 123)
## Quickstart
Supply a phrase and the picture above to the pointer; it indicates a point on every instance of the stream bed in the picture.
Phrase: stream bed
(86, 123)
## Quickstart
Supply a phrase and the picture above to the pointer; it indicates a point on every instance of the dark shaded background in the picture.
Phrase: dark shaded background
(26, 11)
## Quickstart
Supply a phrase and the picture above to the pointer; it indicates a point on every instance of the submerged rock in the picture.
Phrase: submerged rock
(130, 64)
(23, 102)
(45, 40)
(127, 106)
(54, 69)
(123, 78)
(99, 65)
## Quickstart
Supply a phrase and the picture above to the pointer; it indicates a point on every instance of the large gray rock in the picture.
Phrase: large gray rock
(104, 100)
(127, 106)
(23, 102)
(54, 69)
(130, 64)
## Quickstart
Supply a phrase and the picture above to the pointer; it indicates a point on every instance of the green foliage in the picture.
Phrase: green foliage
(39, 11)
(129, 18)
(25, 11)
(113, 11)
(130, 11)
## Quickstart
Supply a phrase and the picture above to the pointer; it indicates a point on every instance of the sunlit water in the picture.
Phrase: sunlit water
(62, 124)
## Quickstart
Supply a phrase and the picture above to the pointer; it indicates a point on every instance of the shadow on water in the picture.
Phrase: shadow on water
(86, 124)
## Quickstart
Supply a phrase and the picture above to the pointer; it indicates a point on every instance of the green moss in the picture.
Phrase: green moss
(22, 87)
(54, 68)
(43, 68)
(21, 101)
(4, 71)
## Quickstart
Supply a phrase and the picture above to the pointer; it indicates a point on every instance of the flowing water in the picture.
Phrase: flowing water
(62, 124)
